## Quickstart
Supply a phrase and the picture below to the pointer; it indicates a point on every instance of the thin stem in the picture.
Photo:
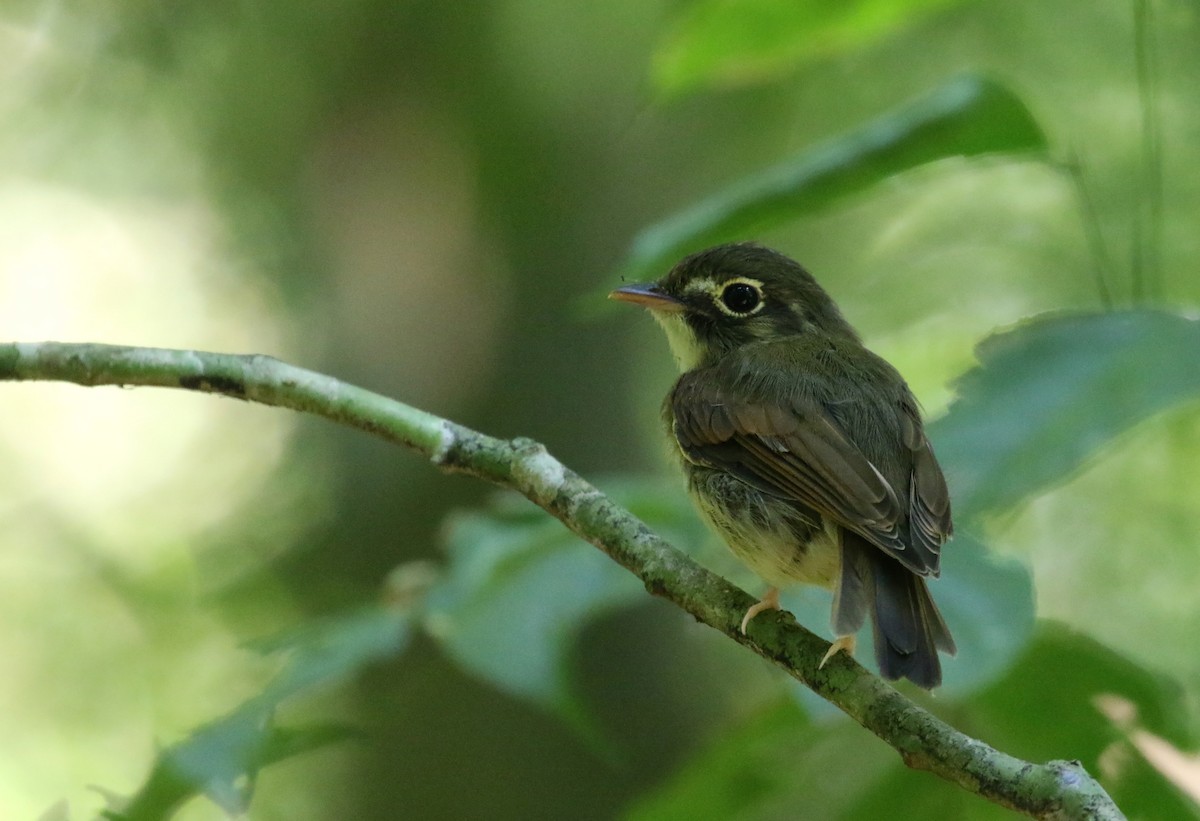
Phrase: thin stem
(1101, 259)
(1148, 211)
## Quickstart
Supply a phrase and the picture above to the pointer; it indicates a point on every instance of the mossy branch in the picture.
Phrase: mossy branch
(1055, 790)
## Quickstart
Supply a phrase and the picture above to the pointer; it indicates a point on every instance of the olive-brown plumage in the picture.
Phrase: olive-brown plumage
(804, 450)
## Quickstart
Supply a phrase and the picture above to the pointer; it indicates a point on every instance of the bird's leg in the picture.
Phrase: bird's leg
(769, 601)
(840, 643)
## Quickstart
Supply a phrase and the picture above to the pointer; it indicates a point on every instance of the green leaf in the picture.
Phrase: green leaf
(327, 650)
(520, 586)
(1051, 392)
(779, 765)
(733, 42)
(968, 116)
(988, 602)
(1056, 679)
(776, 765)
(1046, 707)
(222, 759)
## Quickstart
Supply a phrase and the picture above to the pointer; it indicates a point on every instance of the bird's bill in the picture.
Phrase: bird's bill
(648, 296)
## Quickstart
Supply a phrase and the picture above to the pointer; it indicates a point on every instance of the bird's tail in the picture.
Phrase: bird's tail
(909, 629)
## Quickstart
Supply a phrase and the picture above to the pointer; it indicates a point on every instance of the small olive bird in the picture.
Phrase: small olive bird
(804, 450)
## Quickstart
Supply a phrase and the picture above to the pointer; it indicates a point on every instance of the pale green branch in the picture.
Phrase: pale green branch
(1056, 790)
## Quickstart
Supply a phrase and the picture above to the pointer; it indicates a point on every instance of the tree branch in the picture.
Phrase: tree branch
(1055, 790)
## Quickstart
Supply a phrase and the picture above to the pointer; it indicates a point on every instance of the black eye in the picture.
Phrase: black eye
(740, 297)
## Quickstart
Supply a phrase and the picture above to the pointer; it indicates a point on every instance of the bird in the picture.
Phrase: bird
(803, 450)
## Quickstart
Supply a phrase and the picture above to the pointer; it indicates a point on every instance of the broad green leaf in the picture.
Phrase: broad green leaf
(968, 116)
(1051, 392)
(520, 586)
(779, 765)
(776, 765)
(988, 602)
(1045, 708)
(1114, 548)
(329, 650)
(222, 759)
(733, 42)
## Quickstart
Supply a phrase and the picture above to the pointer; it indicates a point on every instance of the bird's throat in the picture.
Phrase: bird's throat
(682, 339)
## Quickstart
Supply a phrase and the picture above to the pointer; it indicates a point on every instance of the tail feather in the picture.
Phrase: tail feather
(909, 629)
(854, 591)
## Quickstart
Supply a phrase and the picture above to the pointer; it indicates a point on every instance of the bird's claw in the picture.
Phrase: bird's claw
(840, 643)
(769, 601)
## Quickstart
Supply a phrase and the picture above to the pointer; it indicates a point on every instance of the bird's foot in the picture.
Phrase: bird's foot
(840, 643)
(769, 601)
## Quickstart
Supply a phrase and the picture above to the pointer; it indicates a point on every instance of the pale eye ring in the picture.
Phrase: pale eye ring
(740, 298)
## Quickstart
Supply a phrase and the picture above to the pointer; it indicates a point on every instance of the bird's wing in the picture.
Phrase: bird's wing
(929, 499)
(799, 453)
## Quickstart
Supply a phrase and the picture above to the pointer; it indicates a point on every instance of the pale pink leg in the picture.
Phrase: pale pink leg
(769, 601)
(840, 643)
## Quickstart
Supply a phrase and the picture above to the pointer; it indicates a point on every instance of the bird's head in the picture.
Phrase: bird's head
(720, 299)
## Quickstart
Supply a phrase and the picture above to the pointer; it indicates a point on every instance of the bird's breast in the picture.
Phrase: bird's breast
(782, 544)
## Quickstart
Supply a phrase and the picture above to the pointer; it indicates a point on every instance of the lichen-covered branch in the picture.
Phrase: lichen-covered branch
(1056, 790)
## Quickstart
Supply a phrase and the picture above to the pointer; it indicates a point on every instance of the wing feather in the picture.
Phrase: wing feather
(796, 451)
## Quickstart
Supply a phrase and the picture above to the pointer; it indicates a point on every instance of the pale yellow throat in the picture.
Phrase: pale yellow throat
(681, 338)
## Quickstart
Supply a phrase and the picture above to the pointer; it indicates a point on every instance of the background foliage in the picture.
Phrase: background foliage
(205, 605)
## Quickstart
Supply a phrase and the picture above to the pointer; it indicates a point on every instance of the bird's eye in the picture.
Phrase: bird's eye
(740, 298)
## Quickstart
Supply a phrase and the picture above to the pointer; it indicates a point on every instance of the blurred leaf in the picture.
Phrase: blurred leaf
(222, 759)
(777, 765)
(988, 602)
(1177, 766)
(328, 650)
(1079, 667)
(520, 586)
(968, 116)
(1113, 548)
(725, 42)
(1046, 708)
(1051, 392)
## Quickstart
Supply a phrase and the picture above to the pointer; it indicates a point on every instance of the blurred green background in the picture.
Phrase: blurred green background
(430, 200)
